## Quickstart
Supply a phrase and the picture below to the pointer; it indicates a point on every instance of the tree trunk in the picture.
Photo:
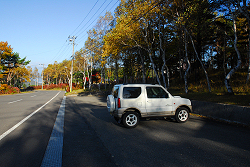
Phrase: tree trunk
(245, 12)
(105, 78)
(197, 56)
(229, 75)
(149, 49)
(116, 72)
(91, 70)
(180, 64)
(248, 71)
(187, 62)
(143, 67)
(163, 55)
(168, 79)
(84, 75)
(153, 65)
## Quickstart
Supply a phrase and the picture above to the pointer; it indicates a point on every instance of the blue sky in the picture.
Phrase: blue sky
(38, 29)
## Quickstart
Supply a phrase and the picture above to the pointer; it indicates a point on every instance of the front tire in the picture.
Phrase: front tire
(130, 119)
(181, 115)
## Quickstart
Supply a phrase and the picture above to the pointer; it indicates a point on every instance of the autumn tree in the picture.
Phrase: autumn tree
(244, 9)
(132, 31)
(15, 63)
(35, 75)
(11, 64)
(81, 65)
(5, 51)
(168, 41)
(22, 74)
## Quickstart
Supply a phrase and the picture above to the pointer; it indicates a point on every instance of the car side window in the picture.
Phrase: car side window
(156, 92)
(131, 92)
(115, 91)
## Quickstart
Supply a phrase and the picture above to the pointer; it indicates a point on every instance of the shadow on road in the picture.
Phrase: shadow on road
(82, 145)
(198, 142)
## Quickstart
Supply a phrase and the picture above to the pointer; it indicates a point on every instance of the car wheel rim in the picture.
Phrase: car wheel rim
(131, 120)
(183, 115)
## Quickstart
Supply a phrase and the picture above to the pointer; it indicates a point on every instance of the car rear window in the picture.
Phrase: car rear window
(131, 92)
(115, 91)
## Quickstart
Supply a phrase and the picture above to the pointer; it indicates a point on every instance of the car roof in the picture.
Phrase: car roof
(134, 84)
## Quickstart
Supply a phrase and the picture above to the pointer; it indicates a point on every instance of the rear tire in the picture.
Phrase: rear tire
(130, 119)
(181, 115)
(117, 119)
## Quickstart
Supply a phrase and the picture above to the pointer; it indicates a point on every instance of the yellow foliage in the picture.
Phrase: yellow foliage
(5, 50)
(2, 75)
(128, 31)
(3, 87)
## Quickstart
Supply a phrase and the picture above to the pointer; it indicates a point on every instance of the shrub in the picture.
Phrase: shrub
(6, 89)
(16, 90)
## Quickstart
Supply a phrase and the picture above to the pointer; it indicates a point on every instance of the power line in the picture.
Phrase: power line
(63, 46)
(91, 17)
(142, 15)
(85, 17)
(130, 22)
(64, 50)
(66, 53)
(94, 21)
(57, 55)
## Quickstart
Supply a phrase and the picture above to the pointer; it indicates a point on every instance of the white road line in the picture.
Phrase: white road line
(33, 96)
(53, 154)
(15, 101)
(25, 119)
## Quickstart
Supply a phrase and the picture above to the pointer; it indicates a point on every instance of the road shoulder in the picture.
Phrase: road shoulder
(82, 146)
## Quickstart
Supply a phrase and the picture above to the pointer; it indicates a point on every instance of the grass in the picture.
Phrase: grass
(74, 92)
(242, 99)
(197, 90)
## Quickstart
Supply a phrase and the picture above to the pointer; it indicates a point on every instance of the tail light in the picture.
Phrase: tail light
(119, 103)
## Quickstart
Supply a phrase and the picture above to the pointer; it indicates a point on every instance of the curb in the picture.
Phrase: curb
(224, 112)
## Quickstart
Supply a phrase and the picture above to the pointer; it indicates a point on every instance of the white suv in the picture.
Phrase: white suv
(130, 102)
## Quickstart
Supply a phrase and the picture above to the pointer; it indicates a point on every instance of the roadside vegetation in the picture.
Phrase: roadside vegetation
(197, 49)
(6, 89)
(200, 46)
(13, 70)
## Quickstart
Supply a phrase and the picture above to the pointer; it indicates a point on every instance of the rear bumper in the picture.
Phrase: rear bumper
(118, 113)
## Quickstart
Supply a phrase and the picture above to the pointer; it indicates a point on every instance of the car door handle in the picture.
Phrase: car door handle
(149, 101)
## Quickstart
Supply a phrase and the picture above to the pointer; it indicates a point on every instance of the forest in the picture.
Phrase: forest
(198, 45)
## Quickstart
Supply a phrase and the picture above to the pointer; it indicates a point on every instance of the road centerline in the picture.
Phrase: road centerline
(15, 101)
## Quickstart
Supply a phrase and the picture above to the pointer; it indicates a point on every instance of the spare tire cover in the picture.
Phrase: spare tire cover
(110, 103)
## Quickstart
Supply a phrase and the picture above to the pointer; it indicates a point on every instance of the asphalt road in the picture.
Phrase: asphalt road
(93, 138)
(97, 140)
(26, 145)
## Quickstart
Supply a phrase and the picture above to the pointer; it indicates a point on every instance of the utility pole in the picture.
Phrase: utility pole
(72, 40)
(42, 75)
